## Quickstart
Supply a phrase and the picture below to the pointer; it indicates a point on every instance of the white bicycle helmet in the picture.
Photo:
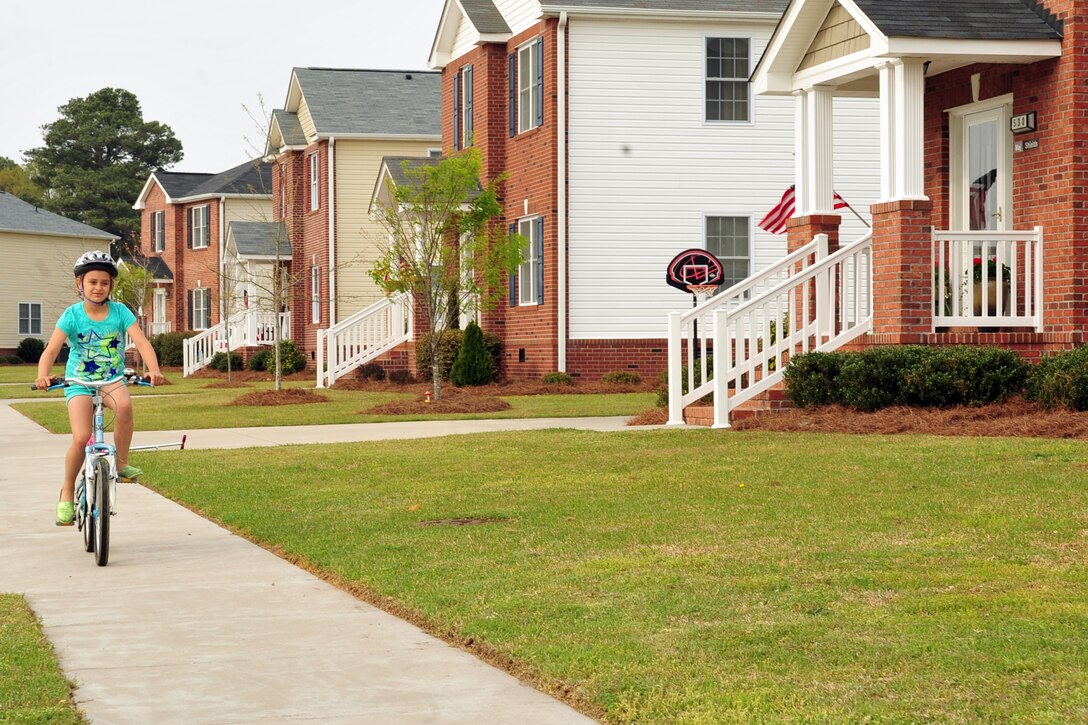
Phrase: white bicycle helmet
(95, 260)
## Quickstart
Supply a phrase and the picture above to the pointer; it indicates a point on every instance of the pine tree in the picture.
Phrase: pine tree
(473, 365)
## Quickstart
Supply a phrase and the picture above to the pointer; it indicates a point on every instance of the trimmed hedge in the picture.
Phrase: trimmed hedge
(915, 375)
(219, 362)
(621, 377)
(168, 348)
(290, 358)
(30, 349)
(258, 361)
(1061, 380)
(557, 378)
(372, 371)
(447, 354)
(401, 377)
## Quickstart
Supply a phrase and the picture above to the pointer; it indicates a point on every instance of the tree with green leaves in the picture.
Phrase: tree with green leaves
(97, 156)
(132, 288)
(446, 244)
(15, 180)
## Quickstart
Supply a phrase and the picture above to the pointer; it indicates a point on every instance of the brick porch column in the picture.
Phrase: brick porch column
(903, 269)
(801, 230)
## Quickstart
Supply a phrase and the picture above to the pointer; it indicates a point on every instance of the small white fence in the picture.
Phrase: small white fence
(368, 334)
(808, 301)
(247, 328)
(990, 279)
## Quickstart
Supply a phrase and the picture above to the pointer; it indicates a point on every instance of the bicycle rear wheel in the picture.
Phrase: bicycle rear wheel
(83, 513)
(101, 512)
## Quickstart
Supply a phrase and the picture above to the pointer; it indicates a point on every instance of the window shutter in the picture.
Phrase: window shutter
(513, 94)
(189, 227)
(468, 106)
(514, 274)
(457, 111)
(189, 297)
(540, 82)
(540, 261)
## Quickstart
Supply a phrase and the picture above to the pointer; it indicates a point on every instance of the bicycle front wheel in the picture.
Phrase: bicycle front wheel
(100, 514)
(83, 513)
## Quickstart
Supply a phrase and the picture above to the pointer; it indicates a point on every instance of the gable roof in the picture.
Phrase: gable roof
(994, 19)
(157, 266)
(484, 16)
(289, 128)
(178, 183)
(249, 179)
(394, 169)
(17, 215)
(369, 103)
(260, 239)
(656, 7)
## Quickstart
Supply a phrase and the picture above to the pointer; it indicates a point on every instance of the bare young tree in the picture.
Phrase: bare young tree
(447, 246)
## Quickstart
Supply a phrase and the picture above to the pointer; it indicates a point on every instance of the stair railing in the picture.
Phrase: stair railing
(366, 335)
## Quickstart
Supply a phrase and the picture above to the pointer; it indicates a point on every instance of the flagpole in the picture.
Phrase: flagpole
(844, 201)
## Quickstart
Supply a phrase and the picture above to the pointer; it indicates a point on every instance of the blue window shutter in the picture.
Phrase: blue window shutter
(189, 227)
(468, 106)
(514, 274)
(457, 111)
(540, 82)
(190, 296)
(540, 261)
(513, 94)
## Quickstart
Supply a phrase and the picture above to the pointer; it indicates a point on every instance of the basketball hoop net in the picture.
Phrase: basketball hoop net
(703, 290)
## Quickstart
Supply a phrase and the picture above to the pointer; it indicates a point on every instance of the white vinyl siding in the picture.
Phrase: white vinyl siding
(30, 319)
(646, 169)
(520, 15)
(315, 196)
(158, 231)
(247, 210)
(528, 272)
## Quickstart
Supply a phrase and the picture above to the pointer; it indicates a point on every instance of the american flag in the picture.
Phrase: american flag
(775, 221)
(976, 202)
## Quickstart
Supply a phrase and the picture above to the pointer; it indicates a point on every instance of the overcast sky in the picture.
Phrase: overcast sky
(195, 65)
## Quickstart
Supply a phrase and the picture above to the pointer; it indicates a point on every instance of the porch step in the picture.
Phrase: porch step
(769, 401)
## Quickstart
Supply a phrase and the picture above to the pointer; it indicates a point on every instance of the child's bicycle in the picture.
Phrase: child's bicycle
(96, 489)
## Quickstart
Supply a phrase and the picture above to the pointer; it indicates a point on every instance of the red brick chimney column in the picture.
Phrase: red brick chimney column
(903, 269)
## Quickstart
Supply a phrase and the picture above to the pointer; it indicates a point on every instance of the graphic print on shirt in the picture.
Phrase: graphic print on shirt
(101, 357)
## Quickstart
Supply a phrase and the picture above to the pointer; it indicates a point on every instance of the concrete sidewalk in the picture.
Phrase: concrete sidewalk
(191, 624)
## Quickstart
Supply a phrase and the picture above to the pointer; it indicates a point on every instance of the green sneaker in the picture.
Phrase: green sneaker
(129, 472)
(66, 513)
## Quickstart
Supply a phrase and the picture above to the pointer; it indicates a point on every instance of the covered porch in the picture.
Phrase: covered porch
(958, 253)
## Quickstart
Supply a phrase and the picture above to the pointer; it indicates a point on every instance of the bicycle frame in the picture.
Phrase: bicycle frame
(97, 446)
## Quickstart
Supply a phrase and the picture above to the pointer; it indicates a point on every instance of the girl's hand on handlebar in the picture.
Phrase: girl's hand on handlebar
(156, 378)
(43, 383)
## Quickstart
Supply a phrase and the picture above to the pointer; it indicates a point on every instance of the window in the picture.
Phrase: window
(530, 273)
(200, 308)
(199, 226)
(315, 294)
(30, 318)
(727, 238)
(314, 201)
(434, 153)
(727, 71)
(529, 99)
(158, 231)
(466, 111)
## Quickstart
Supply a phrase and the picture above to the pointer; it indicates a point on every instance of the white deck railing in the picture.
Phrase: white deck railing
(819, 302)
(988, 279)
(362, 337)
(246, 328)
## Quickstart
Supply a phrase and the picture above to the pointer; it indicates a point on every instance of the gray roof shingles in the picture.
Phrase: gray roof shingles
(259, 239)
(961, 19)
(485, 17)
(397, 171)
(711, 6)
(290, 127)
(373, 102)
(179, 183)
(17, 215)
(248, 178)
(156, 265)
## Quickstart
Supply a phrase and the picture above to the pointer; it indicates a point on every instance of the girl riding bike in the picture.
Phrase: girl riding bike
(95, 330)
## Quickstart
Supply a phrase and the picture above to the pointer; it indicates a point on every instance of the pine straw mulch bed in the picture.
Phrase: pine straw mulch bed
(287, 396)
(249, 376)
(501, 389)
(1014, 418)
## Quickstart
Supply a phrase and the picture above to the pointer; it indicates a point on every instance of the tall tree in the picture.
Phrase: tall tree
(446, 245)
(15, 180)
(96, 158)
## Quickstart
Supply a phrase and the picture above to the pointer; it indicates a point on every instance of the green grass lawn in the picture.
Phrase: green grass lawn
(191, 406)
(32, 688)
(706, 576)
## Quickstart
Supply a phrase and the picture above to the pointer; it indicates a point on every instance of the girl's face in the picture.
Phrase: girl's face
(96, 285)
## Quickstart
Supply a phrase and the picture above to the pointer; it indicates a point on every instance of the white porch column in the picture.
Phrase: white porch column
(800, 153)
(908, 94)
(888, 177)
(819, 145)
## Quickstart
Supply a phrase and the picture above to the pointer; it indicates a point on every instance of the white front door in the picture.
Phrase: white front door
(981, 190)
(158, 311)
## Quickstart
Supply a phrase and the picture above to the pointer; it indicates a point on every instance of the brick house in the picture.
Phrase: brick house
(184, 219)
(979, 216)
(325, 147)
(629, 133)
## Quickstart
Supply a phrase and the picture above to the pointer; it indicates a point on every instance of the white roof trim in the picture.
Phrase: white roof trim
(139, 205)
(554, 10)
(37, 233)
(212, 197)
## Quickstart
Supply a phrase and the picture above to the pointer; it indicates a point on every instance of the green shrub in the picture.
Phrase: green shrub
(30, 349)
(558, 378)
(258, 361)
(473, 365)
(621, 377)
(447, 353)
(219, 362)
(291, 360)
(663, 381)
(812, 379)
(10, 360)
(401, 377)
(1061, 380)
(877, 377)
(372, 371)
(168, 348)
(965, 376)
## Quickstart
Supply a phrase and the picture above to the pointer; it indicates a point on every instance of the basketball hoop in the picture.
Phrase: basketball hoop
(703, 290)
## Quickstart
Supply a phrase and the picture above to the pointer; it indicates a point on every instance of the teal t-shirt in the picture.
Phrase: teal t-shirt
(97, 348)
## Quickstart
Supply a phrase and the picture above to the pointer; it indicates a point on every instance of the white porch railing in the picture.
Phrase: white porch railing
(158, 328)
(798, 305)
(991, 279)
(247, 328)
(362, 337)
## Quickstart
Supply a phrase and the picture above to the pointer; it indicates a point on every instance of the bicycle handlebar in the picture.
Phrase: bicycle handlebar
(132, 379)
